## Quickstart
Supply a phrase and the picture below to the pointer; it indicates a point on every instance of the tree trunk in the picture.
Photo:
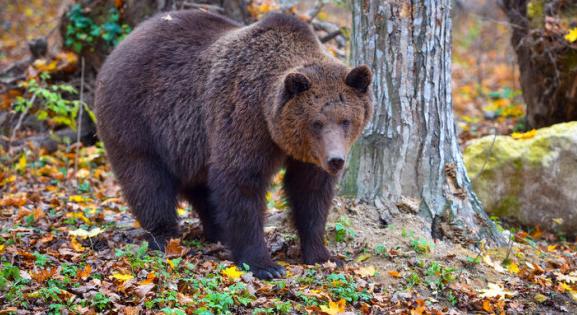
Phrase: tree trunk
(547, 62)
(408, 157)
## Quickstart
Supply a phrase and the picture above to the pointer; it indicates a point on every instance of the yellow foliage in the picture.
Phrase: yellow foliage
(232, 273)
(334, 307)
(572, 35)
(122, 276)
(524, 135)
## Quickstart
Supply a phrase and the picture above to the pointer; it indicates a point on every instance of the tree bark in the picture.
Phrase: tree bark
(547, 63)
(408, 157)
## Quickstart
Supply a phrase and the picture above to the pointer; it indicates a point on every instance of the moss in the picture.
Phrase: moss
(508, 206)
(348, 187)
(536, 13)
(509, 162)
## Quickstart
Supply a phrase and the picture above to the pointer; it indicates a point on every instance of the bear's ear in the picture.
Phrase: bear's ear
(295, 83)
(359, 78)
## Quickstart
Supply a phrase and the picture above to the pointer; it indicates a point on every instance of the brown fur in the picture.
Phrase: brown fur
(192, 104)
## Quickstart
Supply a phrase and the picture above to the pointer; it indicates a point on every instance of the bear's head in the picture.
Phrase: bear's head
(319, 111)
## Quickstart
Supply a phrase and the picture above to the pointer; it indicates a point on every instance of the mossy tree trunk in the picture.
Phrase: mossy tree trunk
(408, 157)
(547, 62)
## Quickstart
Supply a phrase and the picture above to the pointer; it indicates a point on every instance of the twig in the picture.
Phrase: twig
(207, 7)
(19, 123)
(330, 36)
(79, 119)
(487, 155)
(314, 11)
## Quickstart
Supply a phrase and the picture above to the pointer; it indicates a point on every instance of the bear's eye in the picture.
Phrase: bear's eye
(317, 126)
(346, 123)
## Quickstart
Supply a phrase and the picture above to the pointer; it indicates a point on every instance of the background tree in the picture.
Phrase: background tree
(547, 59)
(408, 157)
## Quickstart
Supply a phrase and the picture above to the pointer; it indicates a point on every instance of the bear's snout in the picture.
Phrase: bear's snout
(336, 164)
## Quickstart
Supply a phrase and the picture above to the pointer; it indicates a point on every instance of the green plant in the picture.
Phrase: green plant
(51, 101)
(421, 246)
(439, 276)
(380, 250)
(82, 31)
(413, 279)
(100, 301)
(341, 287)
(343, 231)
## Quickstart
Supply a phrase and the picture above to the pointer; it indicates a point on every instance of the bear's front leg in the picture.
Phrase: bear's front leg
(310, 192)
(239, 196)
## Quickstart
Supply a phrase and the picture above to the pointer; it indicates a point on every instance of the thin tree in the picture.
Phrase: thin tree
(408, 156)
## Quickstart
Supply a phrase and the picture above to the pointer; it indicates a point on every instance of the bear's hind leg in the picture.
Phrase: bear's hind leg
(310, 192)
(151, 193)
(199, 198)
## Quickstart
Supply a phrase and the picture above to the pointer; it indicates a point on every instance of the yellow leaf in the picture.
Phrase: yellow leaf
(572, 35)
(495, 290)
(76, 245)
(122, 276)
(2, 248)
(334, 308)
(76, 198)
(78, 215)
(232, 273)
(84, 234)
(367, 271)
(170, 263)
(540, 298)
(21, 165)
(524, 135)
(565, 287)
(513, 268)
(363, 257)
(551, 248)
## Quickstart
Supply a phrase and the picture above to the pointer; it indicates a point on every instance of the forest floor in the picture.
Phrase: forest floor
(68, 243)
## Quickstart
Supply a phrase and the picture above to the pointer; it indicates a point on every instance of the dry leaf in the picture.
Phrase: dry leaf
(367, 271)
(334, 308)
(495, 290)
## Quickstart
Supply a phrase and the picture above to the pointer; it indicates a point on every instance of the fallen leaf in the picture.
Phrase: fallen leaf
(394, 274)
(122, 276)
(540, 298)
(334, 308)
(232, 273)
(367, 271)
(174, 249)
(524, 135)
(513, 268)
(487, 307)
(495, 290)
(572, 35)
(76, 245)
(84, 234)
(84, 273)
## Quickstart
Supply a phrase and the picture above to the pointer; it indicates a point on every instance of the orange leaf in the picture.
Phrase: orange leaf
(84, 273)
(43, 274)
(487, 307)
(174, 249)
(394, 274)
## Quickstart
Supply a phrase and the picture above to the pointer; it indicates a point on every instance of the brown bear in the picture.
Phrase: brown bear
(194, 105)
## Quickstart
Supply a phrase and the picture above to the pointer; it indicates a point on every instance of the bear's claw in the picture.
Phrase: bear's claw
(268, 271)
